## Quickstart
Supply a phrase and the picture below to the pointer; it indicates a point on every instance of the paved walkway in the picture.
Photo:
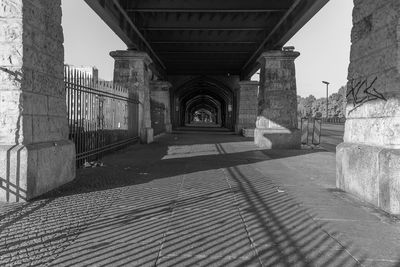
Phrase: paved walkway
(195, 199)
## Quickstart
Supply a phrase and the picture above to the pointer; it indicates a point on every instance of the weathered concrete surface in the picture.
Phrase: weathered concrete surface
(276, 125)
(131, 70)
(248, 132)
(159, 92)
(331, 136)
(246, 111)
(370, 172)
(277, 138)
(31, 170)
(372, 130)
(33, 123)
(202, 199)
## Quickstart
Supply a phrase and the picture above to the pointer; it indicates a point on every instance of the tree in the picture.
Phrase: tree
(304, 105)
(312, 107)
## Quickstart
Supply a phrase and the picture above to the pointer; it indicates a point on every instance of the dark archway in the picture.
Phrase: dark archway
(203, 95)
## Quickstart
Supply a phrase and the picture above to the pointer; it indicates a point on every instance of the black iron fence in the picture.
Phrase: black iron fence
(334, 120)
(101, 116)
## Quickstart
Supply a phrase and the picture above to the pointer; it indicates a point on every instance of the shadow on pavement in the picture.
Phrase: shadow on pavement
(171, 156)
(182, 201)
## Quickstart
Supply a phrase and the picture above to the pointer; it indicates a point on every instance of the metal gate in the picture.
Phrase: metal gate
(311, 131)
(101, 116)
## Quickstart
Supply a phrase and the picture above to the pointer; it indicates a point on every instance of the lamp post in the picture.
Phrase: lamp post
(327, 85)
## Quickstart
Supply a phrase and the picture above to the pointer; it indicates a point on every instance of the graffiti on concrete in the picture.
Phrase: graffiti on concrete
(17, 75)
(362, 92)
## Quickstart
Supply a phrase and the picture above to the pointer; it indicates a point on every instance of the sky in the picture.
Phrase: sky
(324, 44)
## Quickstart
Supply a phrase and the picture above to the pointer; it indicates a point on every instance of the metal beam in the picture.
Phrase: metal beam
(200, 29)
(201, 66)
(203, 72)
(110, 20)
(208, 10)
(205, 36)
(202, 52)
(203, 42)
(214, 48)
(128, 19)
(300, 21)
(182, 31)
(293, 21)
(209, 20)
(208, 5)
(282, 20)
(205, 60)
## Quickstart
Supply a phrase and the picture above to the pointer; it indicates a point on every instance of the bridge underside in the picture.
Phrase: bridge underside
(206, 37)
(204, 49)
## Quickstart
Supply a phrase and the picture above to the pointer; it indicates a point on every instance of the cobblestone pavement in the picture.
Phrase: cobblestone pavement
(200, 200)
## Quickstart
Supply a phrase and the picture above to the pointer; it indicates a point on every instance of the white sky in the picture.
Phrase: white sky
(324, 44)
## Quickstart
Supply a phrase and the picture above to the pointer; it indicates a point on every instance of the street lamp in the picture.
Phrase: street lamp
(327, 85)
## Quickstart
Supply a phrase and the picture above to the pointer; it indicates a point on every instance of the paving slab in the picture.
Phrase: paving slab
(200, 199)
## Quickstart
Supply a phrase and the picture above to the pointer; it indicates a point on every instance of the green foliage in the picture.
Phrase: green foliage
(312, 107)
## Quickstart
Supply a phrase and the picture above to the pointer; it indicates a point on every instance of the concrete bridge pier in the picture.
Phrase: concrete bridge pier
(368, 161)
(276, 125)
(247, 105)
(159, 92)
(35, 153)
(131, 70)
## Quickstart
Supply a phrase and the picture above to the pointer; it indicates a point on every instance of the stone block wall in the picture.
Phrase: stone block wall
(247, 105)
(33, 121)
(276, 125)
(31, 77)
(373, 117)
(131, 70)
(161, 106)
(366, 161)
(277, 102)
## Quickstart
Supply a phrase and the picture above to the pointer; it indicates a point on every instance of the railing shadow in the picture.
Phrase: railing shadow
(11, 186)
(205, 206)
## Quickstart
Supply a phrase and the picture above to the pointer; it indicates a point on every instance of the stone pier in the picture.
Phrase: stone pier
(276, 125)
(131, 70)
(368, 161)
(159, 92)
(35, 153)
(247, 106)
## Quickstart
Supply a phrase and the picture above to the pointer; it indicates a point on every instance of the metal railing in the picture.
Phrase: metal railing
(334, 120)
(101, 116)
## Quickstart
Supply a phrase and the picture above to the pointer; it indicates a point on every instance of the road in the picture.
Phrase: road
(331, 136)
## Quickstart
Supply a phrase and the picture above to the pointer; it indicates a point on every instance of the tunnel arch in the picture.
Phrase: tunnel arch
(205, 102)
(203, 93)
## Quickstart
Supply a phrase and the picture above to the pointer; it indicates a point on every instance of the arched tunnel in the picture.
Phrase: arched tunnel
(203, 102)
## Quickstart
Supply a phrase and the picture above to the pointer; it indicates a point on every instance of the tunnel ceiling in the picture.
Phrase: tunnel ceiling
(205, 36)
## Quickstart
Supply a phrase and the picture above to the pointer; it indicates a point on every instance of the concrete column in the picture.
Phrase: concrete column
(35, 153)
(368, 161)
(276, 125)
(159, 92)
(247, 105)
(131, 70)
